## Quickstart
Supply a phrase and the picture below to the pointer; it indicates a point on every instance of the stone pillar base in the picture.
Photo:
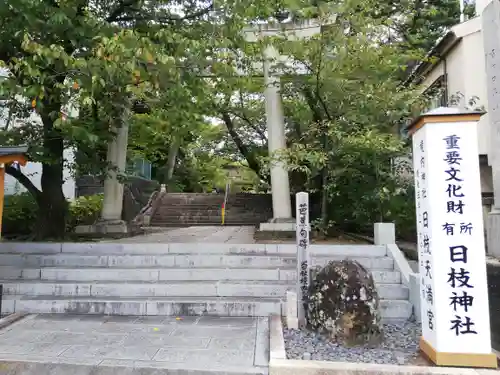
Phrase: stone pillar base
(276, 229)
(384, 233)
(111, 228)
(493, 234)
(279, 225)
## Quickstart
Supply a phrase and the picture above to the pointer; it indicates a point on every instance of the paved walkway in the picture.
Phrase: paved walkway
(213, 234)
(238, 345)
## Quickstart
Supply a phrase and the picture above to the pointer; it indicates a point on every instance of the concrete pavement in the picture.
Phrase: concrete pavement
(197, 344)
(201, 234)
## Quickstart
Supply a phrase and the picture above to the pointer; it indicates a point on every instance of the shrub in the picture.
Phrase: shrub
(84, 211)
(19, 215)
(20, 212)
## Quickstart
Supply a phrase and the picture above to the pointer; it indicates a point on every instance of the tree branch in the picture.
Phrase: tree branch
(120, 9)
(250, 158)
(23, 180)
(165, 19)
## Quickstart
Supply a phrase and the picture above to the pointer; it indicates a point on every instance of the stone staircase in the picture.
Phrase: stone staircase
(186, 209)
(174, 279)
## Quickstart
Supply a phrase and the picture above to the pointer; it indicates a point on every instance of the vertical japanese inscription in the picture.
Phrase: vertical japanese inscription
(424, 234)
(461, 300)
(302, 233)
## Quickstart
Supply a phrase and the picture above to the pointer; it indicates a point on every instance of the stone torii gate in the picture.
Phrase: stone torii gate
(280, 185)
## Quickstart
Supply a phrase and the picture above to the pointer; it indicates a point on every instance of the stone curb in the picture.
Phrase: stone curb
(280, 365)
(12, 318)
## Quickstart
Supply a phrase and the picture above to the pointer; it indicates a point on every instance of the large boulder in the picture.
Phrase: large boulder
(343, 303)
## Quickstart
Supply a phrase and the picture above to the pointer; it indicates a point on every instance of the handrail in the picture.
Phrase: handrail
(223, 208)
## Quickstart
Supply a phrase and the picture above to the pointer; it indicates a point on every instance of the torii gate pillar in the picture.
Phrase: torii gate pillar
(280, 185)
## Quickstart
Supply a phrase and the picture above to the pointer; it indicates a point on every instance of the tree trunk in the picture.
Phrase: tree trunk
(53, 207)
(172, 157)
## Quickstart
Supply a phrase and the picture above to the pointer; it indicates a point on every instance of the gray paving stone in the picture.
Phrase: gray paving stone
(93, 351)
(91, 339)
(179, 320)
(262, 343)
(225, 357)
(44, 349)
(200, 344)
(167, 341)
(191, 368)
(45, 359)
(124, 329)
(245, 344)
(223, 321)
(20, 336)
(119, 319)
(59, 317)
(154, 320)
(222, 332)
(143, 352)
(74, 326)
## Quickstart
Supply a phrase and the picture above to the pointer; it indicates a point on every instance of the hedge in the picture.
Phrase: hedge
(20, 213)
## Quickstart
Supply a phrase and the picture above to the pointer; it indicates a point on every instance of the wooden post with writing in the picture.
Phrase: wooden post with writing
(303, 258)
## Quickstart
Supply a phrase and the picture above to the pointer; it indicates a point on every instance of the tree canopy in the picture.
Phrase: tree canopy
(75, 67)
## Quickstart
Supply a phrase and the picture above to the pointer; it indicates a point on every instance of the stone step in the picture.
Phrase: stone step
(138, 261)
(176, 306)
(180, 224)
(379, 276)
(110, 248)
(151, 274)
(179, 260)
(395, 309)
(210, 288)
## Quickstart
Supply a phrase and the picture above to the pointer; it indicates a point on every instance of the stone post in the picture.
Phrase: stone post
(491, 40)
(384, 233)
(280, 185)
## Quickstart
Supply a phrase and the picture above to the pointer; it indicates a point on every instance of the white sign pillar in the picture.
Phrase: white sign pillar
(454, 292)
(303, 256)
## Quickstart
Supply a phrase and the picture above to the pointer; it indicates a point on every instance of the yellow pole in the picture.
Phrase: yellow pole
(2, 187)
(222, 214)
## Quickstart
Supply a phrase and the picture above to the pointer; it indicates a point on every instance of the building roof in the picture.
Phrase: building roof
(443, 46)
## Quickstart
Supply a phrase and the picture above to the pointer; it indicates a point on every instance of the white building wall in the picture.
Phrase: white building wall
(34, 170)
(34, 173)
(475, 83)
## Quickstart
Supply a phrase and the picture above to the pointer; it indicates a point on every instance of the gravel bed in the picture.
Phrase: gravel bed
(400, 346)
